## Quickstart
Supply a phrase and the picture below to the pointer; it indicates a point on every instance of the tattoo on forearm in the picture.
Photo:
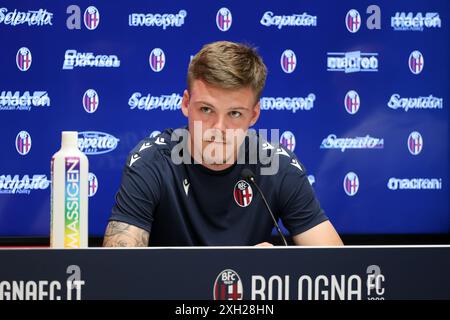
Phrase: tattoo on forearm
(120, 234)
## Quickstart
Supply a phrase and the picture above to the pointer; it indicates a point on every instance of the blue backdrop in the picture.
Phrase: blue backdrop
(366, 106)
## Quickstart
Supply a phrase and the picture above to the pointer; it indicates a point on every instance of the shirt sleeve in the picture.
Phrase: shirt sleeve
(299, 208)
(140, 190)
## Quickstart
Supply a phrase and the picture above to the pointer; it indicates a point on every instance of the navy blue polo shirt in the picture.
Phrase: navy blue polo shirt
(190, 205)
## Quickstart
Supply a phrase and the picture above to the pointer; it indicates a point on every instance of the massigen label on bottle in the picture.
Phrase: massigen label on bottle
(72, 236)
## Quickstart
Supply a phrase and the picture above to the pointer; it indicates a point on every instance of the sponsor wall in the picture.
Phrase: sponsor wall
(358, 91)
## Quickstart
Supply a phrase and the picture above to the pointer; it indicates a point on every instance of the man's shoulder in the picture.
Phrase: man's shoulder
(289, 160)
(151, 149)
(278, 158)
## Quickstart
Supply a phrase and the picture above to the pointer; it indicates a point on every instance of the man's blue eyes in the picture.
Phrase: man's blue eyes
(233, 114)
(205, 109)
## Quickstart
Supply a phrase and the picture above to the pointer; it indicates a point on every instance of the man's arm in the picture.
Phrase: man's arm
(120, 234)
(323, 234)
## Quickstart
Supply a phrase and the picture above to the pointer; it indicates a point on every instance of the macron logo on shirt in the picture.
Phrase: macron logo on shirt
(145, 145)
(186, 186)
(160, 141)
(134, 158)
(296, 164)
(282, 152)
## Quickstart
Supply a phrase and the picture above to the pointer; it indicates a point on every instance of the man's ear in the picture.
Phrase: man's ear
(255, 115)
(185, 103)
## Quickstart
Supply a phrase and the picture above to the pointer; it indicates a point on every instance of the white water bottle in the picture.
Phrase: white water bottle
(69, 195)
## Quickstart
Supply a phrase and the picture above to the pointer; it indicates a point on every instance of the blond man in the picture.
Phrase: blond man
(185, 187)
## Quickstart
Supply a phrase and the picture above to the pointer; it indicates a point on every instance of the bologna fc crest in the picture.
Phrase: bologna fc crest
(92, 184)
(351, 184)
(23, 142)
(352, 102)
(416, 62)
(228, 286)
(224, 19)
(157, 60)
(287, 139)
(91, 18)
(288, 61)
(23, 59)
(90, 101)
(415, 143)
(243, 193)
(353, 21)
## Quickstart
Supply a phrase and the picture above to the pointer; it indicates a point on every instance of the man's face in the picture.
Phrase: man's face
(218, 121)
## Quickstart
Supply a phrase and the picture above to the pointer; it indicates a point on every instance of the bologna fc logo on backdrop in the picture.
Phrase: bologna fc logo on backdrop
(353, 21)
(287, 139)
(92, 184)
(416, 62)
(415, 143)
(90, 101)
(288, 61)
(23, 142)
(352, 102)
(224, 19)
(228, 286)
(91, 18)
(351, 184)
(157, 59)
(243, 193)
(23, 59)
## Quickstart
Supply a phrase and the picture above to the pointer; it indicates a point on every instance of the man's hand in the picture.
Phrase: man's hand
(120, 234)
(264, 244)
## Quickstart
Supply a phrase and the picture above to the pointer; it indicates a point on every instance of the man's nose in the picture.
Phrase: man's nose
(220, 124)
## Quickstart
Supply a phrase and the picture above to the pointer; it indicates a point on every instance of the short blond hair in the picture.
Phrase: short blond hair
(228, 65)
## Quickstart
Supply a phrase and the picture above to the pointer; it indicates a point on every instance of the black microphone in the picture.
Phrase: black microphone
(248, 174)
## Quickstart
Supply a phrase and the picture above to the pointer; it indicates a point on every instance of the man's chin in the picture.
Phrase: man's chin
(216, 162)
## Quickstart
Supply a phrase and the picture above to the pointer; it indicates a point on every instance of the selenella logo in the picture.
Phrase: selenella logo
(96, 142)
